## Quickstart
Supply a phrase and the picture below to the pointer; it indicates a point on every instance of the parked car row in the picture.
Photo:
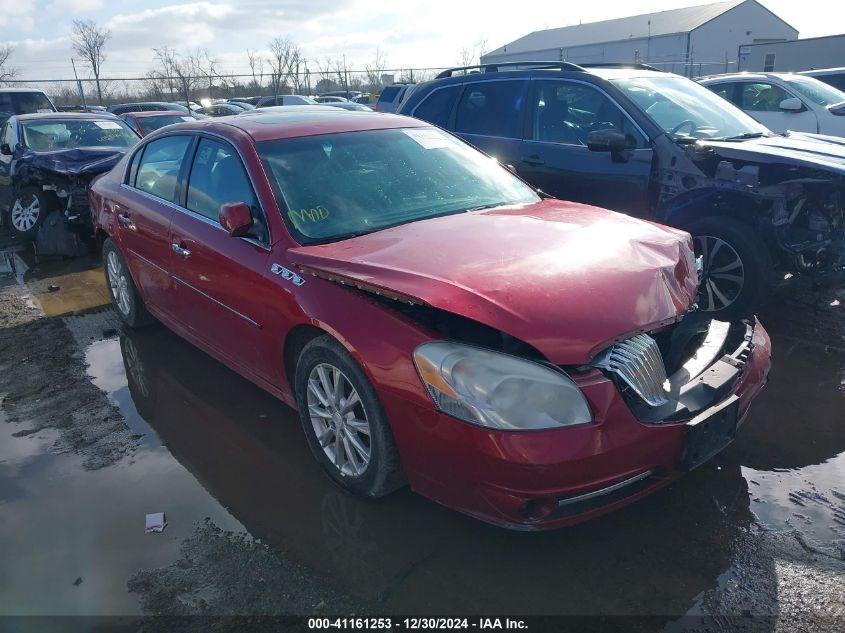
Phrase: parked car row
(538, 360)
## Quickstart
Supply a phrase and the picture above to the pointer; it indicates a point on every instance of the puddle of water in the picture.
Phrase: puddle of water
(235, 453)
(59, 522)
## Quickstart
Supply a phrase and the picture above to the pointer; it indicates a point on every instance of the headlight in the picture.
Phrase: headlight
(499, 391)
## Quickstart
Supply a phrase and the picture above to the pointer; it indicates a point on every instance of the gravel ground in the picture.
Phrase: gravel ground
(46, 386)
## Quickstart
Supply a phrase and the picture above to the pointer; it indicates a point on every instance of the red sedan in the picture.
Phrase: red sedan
(435, 321)
(146, 122)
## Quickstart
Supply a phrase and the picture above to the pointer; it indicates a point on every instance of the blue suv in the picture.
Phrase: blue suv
(662, 147)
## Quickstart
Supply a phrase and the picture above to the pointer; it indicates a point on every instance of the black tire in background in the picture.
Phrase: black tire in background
(738, 269)
(27, 211)
(125, 299)
(382, 473)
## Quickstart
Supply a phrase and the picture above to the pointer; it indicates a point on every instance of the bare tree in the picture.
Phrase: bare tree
(165, 58)
(471, 55)
(7, 72)
(281, 50)
(256, 67)
(88, 42)
(374, 70)
(207, 66)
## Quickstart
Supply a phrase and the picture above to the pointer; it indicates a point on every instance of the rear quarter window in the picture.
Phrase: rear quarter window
(389, 93)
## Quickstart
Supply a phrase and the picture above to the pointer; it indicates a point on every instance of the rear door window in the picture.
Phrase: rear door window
(724, 90)
(437, 107)
(491, 108)
(158, 172)
(217, 177)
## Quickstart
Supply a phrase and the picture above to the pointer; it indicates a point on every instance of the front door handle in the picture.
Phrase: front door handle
(181, 250)
(533, 160)
(124, 219)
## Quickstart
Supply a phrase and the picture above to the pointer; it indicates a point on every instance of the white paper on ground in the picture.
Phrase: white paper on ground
(156, 522)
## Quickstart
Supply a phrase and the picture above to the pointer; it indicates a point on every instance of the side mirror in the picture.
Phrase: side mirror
(5, 149)
(236, 218)
(606, 141)
(793, 104)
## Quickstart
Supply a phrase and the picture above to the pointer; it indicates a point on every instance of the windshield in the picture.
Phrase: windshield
(816, 91)
(46, 135)
(340, 185)
(151, 123)
(686, 110)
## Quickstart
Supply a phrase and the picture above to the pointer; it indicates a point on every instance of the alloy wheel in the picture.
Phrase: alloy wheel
(723, 277)
(25, 212)
(119, 283)
(339, 420)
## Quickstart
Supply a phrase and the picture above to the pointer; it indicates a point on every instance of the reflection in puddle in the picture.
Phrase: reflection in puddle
(106, 368)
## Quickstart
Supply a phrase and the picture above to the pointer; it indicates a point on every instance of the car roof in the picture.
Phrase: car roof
(90, 116)
(148, 114)
(744, 75)
(299, 121)
(824, 71)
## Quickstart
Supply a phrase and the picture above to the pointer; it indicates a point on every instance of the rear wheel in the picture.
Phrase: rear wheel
(737, 267)
(124, 295)
(344, 423)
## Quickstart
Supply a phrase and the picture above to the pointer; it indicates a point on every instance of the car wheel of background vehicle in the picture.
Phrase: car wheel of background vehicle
(124, 295)
(344, 423)
(27, 211)
(737, 271)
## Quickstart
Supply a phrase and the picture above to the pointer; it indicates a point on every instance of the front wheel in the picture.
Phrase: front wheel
(27, 212)
(737, 267)
(344, 423)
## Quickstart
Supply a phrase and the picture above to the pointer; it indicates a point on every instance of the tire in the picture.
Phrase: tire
(27, 211)
(125, 299)
(737, 275)
(372, 472)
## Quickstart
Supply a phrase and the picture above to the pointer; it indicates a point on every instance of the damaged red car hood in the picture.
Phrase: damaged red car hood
(566, 278)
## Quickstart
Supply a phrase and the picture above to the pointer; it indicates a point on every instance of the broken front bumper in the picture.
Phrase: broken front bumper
(551, 478)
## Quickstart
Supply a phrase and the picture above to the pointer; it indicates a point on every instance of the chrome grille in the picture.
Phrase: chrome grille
(639, 364)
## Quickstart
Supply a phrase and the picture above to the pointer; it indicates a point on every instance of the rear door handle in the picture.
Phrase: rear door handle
(181, 250)
(533, 160)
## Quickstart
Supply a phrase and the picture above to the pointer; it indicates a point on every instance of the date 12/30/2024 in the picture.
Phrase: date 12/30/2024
(430, 624)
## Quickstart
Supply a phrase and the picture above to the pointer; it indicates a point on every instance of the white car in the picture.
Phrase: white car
(833, 76)
(784, 101)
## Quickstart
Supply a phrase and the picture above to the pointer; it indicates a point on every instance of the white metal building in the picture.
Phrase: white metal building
(697, 40)
(812, 52)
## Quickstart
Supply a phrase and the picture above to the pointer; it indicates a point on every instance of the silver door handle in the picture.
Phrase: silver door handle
(124, 219)
(178, 249)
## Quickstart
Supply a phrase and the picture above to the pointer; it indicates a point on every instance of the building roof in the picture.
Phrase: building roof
(633, 27)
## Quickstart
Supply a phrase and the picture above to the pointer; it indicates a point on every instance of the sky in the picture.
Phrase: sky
(408, 33)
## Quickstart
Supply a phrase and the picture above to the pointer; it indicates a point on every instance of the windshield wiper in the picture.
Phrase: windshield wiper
(485, 206)
(740, 137)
